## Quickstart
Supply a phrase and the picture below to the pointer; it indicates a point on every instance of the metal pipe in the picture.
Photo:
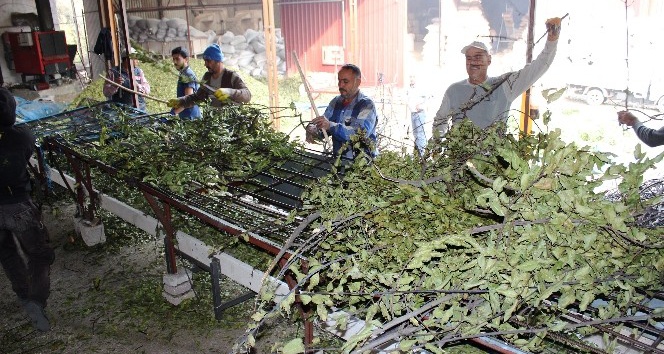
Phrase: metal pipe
(529, 58)
(191, 7)
(498, 346)
(308, 2)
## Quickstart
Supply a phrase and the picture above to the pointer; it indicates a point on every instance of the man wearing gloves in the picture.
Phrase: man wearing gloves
(227, 85)
(187, 83)
(485, 100)
(25, 253)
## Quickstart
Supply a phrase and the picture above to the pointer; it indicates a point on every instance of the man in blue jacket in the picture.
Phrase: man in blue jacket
(348, 114)
(21, 227)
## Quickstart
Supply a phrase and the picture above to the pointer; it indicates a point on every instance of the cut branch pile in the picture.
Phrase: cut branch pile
(491, 236)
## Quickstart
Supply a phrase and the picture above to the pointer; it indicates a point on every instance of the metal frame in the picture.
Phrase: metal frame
(268, 188)
(252, 209)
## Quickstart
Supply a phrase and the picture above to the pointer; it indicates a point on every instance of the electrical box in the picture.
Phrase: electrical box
(25, 39)
(42, 54)
(333, 55)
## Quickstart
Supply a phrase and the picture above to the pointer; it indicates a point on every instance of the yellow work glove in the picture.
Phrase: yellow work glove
(173, 103)
(553, 26)
(223, 94)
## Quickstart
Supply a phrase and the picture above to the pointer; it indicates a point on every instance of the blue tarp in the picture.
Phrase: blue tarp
(27, 110)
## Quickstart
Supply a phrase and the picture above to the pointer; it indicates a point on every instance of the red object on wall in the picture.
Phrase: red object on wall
(308, 27)
(39, 53)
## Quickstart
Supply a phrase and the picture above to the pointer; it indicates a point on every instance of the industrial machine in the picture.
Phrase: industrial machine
(255, 208)
(41, 57)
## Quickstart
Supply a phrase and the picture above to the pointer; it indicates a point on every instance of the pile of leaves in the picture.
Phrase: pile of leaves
(226, 144)
(489, 235)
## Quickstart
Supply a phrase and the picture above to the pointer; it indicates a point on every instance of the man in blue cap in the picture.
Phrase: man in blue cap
(227, 85)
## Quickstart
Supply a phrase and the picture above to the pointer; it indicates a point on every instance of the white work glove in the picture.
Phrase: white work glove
(223, 94)
(311, 133)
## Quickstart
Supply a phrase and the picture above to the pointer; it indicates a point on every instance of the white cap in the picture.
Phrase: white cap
(475, 44)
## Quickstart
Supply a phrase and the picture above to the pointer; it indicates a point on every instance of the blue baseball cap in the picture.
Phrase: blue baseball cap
(213, 52)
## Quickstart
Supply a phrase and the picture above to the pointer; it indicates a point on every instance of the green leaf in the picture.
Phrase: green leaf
(313, 281)
(305, 299)
(258, 316)
(294, 346)
(568, 297)
(498, 184)
(287, 302)
(552, 94)
(557, 326)
(529, 266)
(586, 299)
(322, 312)
(548, 291)
(405, 345)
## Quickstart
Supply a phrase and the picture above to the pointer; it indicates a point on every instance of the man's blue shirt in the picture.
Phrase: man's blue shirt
(347, 120)
(187, 79)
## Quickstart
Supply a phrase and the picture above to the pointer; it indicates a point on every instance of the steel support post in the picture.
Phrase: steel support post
(164, 216)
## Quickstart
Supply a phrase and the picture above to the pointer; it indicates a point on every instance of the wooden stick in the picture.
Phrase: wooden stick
(132, 91)
(306, 88)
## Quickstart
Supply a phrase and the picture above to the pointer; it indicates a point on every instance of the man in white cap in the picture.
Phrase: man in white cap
(227, 85)
(483, 99)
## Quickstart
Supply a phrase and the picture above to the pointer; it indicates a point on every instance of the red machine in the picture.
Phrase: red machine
(40, 54)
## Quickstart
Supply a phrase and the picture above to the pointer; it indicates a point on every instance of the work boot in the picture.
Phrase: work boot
(37, 316)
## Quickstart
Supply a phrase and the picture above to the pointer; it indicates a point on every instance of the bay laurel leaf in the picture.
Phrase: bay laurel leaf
(305, 299)
(544, 184)
(405, 345)
(568, 297)
(529, 266)
(294, 346)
